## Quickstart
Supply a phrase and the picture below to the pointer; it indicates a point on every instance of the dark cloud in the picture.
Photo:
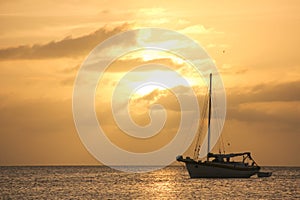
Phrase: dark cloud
(279, 114)
(68, 47)
(266, 103)
(288, 91)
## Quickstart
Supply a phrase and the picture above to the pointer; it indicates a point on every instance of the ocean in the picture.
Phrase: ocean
(99, 182)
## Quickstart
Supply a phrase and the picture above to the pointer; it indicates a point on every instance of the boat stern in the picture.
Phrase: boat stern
(179, 158)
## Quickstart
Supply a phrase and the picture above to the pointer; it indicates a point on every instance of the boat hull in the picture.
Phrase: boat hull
(210, 170)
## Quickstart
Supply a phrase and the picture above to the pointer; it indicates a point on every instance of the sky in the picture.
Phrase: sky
(254, 44)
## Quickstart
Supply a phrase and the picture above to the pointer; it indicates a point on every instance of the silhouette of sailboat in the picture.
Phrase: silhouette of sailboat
(220, 165)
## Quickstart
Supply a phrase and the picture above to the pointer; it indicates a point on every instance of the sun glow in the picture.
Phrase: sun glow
(159, 67)
(152, 81)
(147, 55)
(147, 89)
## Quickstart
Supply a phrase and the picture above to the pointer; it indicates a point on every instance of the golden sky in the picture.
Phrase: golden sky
(254, 44)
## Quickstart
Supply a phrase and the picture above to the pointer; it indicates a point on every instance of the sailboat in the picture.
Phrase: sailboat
(220, 165)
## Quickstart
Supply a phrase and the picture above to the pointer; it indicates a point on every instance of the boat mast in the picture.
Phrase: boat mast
(209, 115)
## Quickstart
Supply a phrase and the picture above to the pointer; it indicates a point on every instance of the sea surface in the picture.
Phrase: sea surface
(98, 182)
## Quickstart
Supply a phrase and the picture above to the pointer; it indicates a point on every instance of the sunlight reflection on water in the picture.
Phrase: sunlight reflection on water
(168, 183)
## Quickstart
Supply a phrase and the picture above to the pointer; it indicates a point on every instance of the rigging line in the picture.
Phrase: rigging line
(220, 126)
(199, 133)
(223, 146)
(217, 121)
(201, 127)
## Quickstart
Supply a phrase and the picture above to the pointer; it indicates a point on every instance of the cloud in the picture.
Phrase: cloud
(125, 65)
(198, 29)
(272, 103)
(31, 128)
(227, 69)
(288, 91)
(277, 113)
(169, 100)
(68, 47)
(276, 104)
